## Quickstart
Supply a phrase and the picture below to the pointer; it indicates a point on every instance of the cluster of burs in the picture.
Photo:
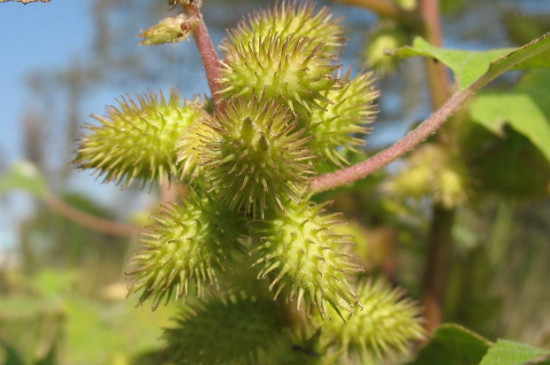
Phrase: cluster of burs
(264, 274)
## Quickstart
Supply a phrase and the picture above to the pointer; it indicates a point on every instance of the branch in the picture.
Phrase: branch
(400, 148)
(206, 49)
(88, 220)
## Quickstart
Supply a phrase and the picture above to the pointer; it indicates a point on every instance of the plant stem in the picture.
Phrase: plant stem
(207, 52)
(400, 148)
(440, 240)
(437, 264)
(88, 220)
(438, 78)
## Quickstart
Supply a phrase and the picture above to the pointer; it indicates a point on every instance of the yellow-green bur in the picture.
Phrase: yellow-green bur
(256, 158)
(306, 260)
(387, 323)
(188, 245)
(288, 69)
(137, 140)
(290, 18)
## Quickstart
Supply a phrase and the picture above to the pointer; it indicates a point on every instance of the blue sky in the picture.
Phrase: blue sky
(34, 36)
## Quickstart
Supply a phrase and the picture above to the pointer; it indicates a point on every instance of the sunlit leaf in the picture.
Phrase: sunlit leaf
(468, 66)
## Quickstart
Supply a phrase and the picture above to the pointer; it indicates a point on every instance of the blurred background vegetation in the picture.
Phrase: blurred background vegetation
(62, 287)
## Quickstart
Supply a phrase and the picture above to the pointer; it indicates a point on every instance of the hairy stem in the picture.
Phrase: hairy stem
(400, 148)
(206, 49)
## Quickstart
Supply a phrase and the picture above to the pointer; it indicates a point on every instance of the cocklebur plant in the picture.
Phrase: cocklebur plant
(281, 107)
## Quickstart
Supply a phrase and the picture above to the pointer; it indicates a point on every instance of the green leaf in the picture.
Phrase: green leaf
(453, 345)
(468, 66)
(511, 353)
(23, 175)
(52, 283)
(526, 109)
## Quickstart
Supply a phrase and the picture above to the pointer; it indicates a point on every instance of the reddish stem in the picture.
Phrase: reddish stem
(400, 148)
(206, 49)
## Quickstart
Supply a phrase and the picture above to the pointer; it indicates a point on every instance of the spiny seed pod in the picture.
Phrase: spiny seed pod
(433, 170)
(337, 124)
(137, 140)
(289, 18)
(256, 158)
(231, 329)
(287, 69)
(191, 142)
(188, 242)
(386, 38)
(303, 256)
(386, 324)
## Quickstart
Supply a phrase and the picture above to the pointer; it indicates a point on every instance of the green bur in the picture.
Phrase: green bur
(137, 140)
(305, 259)
(187, 244)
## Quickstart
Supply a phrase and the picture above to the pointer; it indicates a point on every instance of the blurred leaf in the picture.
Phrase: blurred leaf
(54, 282)
(115, 328)
(468, 66)
(29, 329)
(512, 353)
(12, 358)
(450, 6)
(50, 358)
(453, 345)
(23, 175)
(526, 109)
